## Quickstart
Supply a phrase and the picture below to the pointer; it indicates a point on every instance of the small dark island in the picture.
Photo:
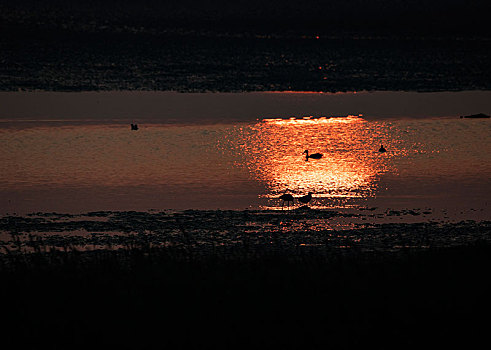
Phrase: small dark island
(473, 116)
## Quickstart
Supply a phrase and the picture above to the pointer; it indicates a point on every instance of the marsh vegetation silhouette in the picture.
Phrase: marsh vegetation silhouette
(134, 126)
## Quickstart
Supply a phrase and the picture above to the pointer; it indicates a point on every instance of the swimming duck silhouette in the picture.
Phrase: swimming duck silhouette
(382, 149)
(313, 156)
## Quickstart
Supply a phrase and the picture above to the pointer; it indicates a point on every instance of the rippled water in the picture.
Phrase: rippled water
(198, 63)
(434, 162)
(442, 161)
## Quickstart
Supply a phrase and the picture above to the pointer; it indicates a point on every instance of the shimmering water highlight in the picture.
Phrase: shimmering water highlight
(78, 168)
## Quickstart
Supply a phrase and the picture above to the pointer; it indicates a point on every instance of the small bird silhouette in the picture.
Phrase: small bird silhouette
(382, 149)
(313, 156)
(305, 199)
(286, 197)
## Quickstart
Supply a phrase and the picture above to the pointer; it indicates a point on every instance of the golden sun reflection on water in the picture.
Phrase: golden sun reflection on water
(72, 168)
(348, 169)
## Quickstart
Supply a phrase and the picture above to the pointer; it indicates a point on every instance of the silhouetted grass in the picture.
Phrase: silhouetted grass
(172, 298)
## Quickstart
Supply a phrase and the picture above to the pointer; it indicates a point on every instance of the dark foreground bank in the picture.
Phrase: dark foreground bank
(172, 298)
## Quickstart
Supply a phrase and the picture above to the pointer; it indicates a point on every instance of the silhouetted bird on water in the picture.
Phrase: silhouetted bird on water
(134, 126)
(313, 156)
(286, 197)
(382, 149)
(305, 199)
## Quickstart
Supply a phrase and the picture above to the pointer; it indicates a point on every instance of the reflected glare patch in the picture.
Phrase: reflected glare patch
(348, 169)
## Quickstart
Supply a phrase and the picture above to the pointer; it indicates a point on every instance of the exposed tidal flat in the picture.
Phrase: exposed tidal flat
(248, 233)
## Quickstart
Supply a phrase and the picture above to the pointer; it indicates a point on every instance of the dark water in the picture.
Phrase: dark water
(81, 61)
(339, 45)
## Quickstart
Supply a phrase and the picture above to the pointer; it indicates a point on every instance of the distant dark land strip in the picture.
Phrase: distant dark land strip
(199, 62)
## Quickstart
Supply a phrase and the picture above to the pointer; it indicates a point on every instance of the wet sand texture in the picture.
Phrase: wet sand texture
(232, 233)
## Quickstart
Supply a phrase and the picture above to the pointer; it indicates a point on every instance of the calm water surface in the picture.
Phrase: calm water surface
(78, 167)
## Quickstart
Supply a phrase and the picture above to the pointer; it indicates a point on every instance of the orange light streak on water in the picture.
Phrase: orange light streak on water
(349, 167)
(430, 162)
